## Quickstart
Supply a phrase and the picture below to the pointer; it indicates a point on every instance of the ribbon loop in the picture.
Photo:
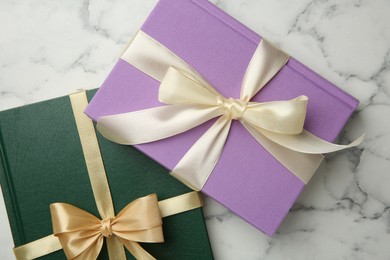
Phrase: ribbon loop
(283, 117)
(181, 87)
(266, 62)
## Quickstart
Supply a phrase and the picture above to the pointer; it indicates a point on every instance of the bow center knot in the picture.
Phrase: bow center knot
(106, 228)
(234, 108)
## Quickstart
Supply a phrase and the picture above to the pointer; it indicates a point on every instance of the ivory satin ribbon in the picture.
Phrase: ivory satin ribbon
(191, 101)
(81, 234)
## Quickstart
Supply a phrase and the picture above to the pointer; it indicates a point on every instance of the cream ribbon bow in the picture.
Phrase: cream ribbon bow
(191, 101)
(81, 234)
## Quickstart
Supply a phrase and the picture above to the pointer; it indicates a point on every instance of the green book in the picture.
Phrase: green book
(42, 162)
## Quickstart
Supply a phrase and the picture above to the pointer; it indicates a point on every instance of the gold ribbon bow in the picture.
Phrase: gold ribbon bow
(191, 101)
(81, 234)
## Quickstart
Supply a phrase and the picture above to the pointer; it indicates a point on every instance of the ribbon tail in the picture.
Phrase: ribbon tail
(92, 252)
(148, 125)
(301, 165)
(115, 248)
(197, 164)
(307, 142)
(136, 250)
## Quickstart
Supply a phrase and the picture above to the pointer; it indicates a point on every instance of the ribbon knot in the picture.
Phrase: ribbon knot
(233, 108)
(106, 228)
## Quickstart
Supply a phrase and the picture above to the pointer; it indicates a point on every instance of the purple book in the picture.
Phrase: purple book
(247, 179)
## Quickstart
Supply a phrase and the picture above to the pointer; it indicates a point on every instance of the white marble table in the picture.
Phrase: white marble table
(51, 48)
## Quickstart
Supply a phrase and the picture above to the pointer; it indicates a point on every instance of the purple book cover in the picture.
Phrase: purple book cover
(247, 179)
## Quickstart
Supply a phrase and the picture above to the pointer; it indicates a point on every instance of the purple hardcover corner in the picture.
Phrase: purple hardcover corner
(247, 179)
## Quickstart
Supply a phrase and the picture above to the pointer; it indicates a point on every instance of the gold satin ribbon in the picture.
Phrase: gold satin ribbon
(96, 171)
(191, 101)
(81, 234)
(37, 248)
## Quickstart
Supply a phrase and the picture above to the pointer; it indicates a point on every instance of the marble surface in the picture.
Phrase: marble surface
(51, 48)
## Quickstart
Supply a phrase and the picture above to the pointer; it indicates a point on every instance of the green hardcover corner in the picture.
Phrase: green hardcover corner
(42, 162)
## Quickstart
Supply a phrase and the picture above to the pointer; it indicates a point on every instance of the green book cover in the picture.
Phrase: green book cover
(42, 162)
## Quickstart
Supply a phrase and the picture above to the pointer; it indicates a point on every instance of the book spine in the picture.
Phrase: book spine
(9, 195)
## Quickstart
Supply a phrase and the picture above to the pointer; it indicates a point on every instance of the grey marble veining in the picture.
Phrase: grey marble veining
(51, 48)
